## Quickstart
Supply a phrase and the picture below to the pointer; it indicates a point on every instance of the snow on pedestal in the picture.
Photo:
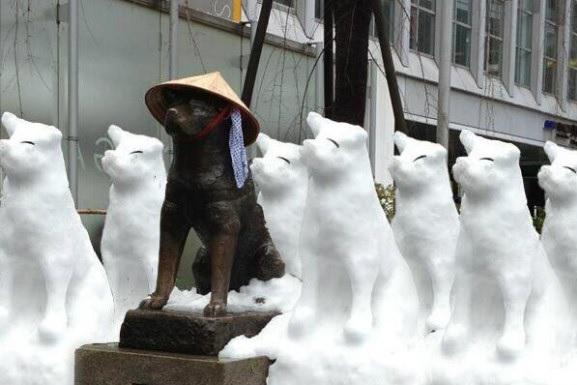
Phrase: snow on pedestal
(509, 321)
(358, 310)
(54, 290)
(131, 236)
(426, 224)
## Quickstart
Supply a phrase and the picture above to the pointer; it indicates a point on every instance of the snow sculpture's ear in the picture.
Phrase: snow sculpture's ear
(157, 146)
(513, 153)
(263, 143)
(55, 135)
(401, 140)
(468, 139)
(115, 133)
(551, 149)
(315, 121)
(359, 135)
(10, 122)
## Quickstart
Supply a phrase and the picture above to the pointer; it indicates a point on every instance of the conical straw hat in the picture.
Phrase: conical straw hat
(213, 84)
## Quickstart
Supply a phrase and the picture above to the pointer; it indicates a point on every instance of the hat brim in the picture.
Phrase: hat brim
(157, 105)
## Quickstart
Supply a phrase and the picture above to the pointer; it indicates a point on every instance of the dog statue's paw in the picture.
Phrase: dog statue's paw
(153, 302)
(215, 309)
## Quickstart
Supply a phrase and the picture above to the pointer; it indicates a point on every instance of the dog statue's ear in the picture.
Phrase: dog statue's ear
(468, 139)
(401, 139)
(115, 134)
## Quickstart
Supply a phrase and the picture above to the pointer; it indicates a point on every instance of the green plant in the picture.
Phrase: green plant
(538, 218)
(387, 199)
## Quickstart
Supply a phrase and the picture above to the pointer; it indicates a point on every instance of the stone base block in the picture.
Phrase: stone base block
(107, 364)
(180, 332)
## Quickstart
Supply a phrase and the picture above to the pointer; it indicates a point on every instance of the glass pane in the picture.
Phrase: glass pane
(414, 29)
(551, 10)
(526, 5)
(495, 12)
(495, 52)
(463, 11)
(574, 16)
(524, 30)
(550, 41)
(429, 4)
(319, 8)
(549, 72)
(523, 68)
(284, 2)
(572, 86)
(462, 44)
(573, 52)
(426, 34)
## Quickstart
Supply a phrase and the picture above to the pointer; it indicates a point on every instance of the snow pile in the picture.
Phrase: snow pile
(509, 321)
(275, 295)
(357, 314)
(426, 224)
(131, 236)
(54, 291)
(282, 179)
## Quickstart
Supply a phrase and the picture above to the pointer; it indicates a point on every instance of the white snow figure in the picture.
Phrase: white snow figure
(131, 236)
(358, 309)
(55, 287)
(559, 180)
(508, 322)
(283, 180)
(426, 223)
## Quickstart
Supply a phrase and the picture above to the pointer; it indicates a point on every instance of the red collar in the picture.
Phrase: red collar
(217, 120)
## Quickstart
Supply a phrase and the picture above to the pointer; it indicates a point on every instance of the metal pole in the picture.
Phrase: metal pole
(173, 42)
(328, 59)
(390, 74)
(73, 99)
(256, 51)
(444, 87)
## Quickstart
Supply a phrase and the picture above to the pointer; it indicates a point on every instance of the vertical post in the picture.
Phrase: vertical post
(73, 99)
(173, 40)
(390, 74)
(328, 58)
(256, 51)
(445, 53)
(236, 10)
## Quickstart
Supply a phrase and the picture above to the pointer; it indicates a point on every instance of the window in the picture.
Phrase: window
(572, 87)
(462, 33)
(288, 3)
(524, 43)
(423, 26)
(550, 45)
(319, 8)
(494, 26)
(390, 20)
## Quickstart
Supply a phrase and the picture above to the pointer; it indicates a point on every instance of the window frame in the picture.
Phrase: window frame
(416, 4)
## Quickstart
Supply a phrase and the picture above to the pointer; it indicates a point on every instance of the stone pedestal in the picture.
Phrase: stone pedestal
(107, 364)
(180, 332)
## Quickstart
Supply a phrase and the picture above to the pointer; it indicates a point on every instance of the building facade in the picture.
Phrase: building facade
(514, 71)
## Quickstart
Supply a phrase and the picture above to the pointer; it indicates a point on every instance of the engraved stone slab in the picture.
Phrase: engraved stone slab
(107, 364)
(188, 333)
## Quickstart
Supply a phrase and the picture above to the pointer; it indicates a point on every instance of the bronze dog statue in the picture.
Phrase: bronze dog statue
(201, 193)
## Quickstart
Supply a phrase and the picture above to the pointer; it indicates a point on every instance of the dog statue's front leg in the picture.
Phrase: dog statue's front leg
(173, 232)
(221, 249)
